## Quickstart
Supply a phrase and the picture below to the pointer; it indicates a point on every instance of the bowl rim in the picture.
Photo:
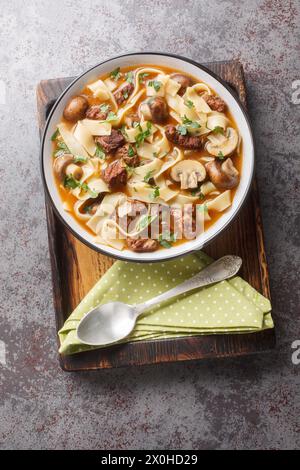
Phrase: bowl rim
(183, 252)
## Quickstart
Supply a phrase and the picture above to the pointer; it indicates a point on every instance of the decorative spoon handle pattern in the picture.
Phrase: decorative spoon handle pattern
(217, 271)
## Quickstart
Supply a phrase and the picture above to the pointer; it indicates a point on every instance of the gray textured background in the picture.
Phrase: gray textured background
(244, 403)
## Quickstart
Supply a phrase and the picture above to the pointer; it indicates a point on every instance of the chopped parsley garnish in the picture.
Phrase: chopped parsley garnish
(155, 154)
(148, 176)
(88, 209)
(104, 108)
(218, 130)
(202, 208)
(71, 183)
(165, 238)
(125, 93)
(129, 77)
(87, 189)
(55, 135)
(99, 152)
(145, 221)
(163, 242)
(63, 146)
(189, 123)
(143, 134)
(182, 130)
(115, 74)
(155, 193)
(155, 84)
(189, 104)
(186, 122)
(197, 192)
(142, 76)
(111, 116)
(80, 159)
(130, 151)
(221, 156)
(61, 150)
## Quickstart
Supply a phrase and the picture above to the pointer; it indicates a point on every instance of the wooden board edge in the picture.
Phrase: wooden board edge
(66, 362)
(215, 346)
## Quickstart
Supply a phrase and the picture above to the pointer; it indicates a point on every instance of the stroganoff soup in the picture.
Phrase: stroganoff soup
(146, 158)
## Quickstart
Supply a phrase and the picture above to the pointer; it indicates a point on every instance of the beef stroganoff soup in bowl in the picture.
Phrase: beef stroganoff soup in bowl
(147, 158)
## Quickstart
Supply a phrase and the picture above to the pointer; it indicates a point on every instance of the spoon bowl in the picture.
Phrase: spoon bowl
(106, 324)
(114, 321)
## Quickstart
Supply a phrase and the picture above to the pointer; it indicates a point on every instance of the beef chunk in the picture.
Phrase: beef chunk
(159, 110)
(192, 142)
(128, 154)
(94, 112)
(183, 80)
(215, 103)
(123, 92)
(115, 174)
(111, 142)
(142, 245)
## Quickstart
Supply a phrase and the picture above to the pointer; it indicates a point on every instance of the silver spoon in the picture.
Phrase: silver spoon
(114, 321)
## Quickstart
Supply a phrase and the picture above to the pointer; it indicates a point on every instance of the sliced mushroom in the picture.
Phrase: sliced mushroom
(217, 120)
(223, 175)
(74, 170)
(76, 108)
(61, 163)
(223, 145)
(189, 173)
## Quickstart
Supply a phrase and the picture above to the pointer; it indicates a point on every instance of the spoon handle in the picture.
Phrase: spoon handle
(217, 271)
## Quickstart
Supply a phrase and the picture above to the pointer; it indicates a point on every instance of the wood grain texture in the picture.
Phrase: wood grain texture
(76, 268)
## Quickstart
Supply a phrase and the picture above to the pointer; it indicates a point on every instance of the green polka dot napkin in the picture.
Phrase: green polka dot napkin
(231, 306)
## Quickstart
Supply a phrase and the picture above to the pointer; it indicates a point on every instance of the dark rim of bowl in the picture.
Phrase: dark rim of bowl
(187, 251)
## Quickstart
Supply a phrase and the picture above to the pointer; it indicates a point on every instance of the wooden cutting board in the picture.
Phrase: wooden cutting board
(76, 268)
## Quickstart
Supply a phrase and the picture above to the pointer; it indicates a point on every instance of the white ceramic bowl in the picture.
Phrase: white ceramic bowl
(176, 62)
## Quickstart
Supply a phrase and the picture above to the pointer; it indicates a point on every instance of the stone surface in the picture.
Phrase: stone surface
(242, 403)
